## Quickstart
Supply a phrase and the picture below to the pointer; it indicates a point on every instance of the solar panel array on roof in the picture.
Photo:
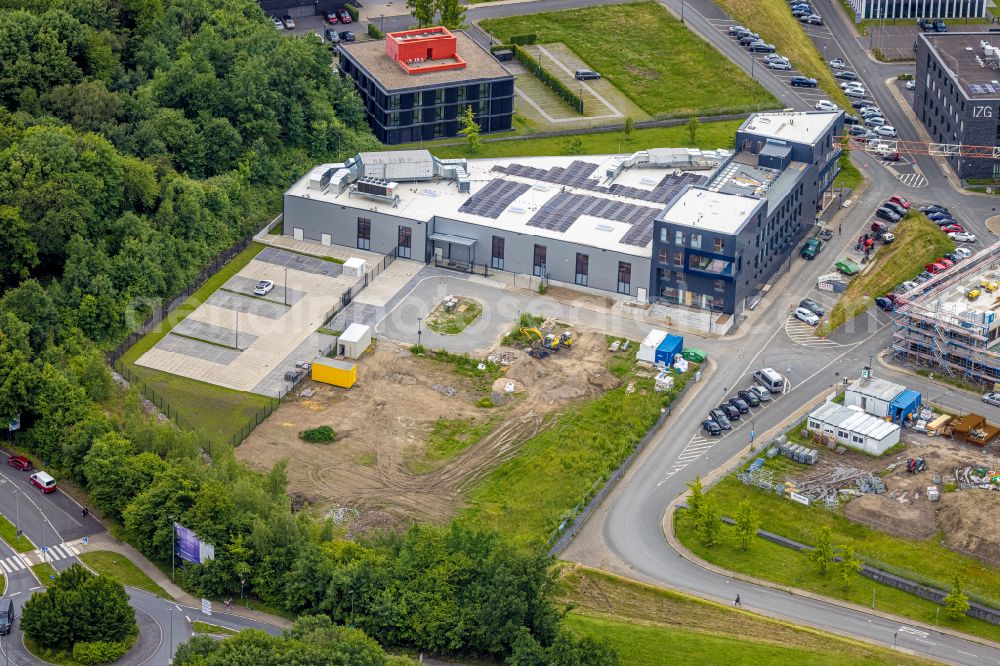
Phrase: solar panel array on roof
(984, 89)
(493, 199)
(578, 174)
(561, 211)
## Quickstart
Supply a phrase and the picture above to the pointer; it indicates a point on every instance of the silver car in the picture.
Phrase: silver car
(762, 393)
(992, 399)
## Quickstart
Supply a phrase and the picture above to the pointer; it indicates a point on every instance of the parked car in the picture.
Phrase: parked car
(740, 404)
(888, 131)
(719, 417)
(825, 105)
(762, 393)
(43, 481)
(750, 397)
(895, 207)
(856, 92)
(7, 617)
(953, 228)
(911, 84)
(852, 84)
(837, 63)
(954, 257)
(846, 75)
(347, 36)
(586, 75)
(278, 24)
(874, 121)
(811, 248)
(945, 221)
(946, 262)
(857, 130)
(802, 81)
(761, 47)
(331, 35)
(747, 40)
(962, 237)
(870, 110)
(963, 252)
(992, 399)
(938, 214)
(814, 19)
(888, 155)
(731, 412)
(19, 462)
(812, 306)
(909, 284)
(263, 287)
(895, 198)
(344, 15)
(807, 316)
(779, 64)
(711, 427)
(737, 29)
(850, 120)
(887, 214)
(935, 268)
(330, 17)
(933, 208)
(884, 304)
(288, 21)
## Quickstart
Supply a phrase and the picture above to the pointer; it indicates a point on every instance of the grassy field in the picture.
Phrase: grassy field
(773, 21)
(648, 625)
(927, 561)
(8, 533)
(219, 413)
(448, 438)
(206, 628)
(648, 55)
(453, 323)
(709, 137)
(558, 470)
(849, 176)
(121, 569)
(44, 570)
(918, 241)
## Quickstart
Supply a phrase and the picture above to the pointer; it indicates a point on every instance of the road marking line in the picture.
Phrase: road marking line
(5, 567)
(974, 656)
(923, 641)
(71, 549)
(187, 617)
(14, 594)
(55, 552)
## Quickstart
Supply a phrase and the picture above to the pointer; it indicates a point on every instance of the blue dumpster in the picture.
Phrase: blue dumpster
(671, 345)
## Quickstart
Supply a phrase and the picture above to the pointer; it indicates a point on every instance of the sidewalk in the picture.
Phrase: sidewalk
(105, 541)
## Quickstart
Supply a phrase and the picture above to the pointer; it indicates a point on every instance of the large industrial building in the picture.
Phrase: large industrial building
(417, 83)
(957, 96)
(950, 322)
(914, 9)
(700, 229)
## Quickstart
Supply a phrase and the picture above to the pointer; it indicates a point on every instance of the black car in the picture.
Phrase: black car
(945, 221)
(851, 120)
(954, 258)
(812, 306)
(731, 412)
(761, 47)
(895, 207)
(802, 81)
(846, 75)
(750, 398)
(740, 404)
(747, 39)
(331, 36)
(858, 130)
(861, 103)
(720, 418)
(711, 427)
(7, 618)
(347, 36)
(887, 215)
(933, 208)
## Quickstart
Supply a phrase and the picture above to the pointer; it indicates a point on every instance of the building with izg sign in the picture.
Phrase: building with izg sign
(958, 95)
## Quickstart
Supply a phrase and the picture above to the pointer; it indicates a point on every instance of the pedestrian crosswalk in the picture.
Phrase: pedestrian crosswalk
(913, 180)
(56, 552)
(15, 563)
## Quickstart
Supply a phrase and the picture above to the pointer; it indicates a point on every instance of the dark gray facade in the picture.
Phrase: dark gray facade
(945, 102)
(914, 9)
(723, 272)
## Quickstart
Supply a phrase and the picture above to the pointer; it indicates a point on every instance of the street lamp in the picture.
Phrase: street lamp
(173, 549)
(419, 331)
(285, 289)
(682, 11)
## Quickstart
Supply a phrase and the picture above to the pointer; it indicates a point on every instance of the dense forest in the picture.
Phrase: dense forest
(138, 139)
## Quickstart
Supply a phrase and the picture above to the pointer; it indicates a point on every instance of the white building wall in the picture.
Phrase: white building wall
(871, 405)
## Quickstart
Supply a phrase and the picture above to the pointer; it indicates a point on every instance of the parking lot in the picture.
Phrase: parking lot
(247, 342)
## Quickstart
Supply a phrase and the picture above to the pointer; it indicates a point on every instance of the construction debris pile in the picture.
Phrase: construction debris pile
(503, 357)
(977, 477)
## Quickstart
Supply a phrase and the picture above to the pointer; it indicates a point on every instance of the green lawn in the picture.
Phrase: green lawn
(206, 628)
(44, 570)
(776, 25)
(918, 241)
(647, 54)
(649, 625)
(849, 176)
(559, 469)
(121, 569)
(926, 561)
(453, 323)
(219, 413)
(8, 533)
(709, 137)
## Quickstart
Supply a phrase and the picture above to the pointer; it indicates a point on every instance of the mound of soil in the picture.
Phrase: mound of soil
(526, 371)
(603, 380)
(968, 520)
(889, 515)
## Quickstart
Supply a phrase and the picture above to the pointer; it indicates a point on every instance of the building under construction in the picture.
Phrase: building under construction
(950, 322)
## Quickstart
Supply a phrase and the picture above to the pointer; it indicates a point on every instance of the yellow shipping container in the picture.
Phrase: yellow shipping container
(338, 373)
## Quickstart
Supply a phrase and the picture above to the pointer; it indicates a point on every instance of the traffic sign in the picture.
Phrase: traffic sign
(45, 549)
(85, 540)
(752, 435)
(206, 606)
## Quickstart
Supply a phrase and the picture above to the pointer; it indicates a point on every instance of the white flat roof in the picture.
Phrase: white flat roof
(854, 421)
(423, 200)
(798, 127)
(712, 211)
(354, 333)
(880, 389)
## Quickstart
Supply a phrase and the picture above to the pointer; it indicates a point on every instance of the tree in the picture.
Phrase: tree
(709, 524)
(423, 11)
(452, 13)
(629, 127)
(956, 603)
(692, 128)
(573, 147)
(18, 251)
(823, 552)
(469, 129)
(696, 497)
(848, 566)
(746, 523)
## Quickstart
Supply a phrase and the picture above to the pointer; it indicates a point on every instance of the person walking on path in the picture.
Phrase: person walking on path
(737, 601)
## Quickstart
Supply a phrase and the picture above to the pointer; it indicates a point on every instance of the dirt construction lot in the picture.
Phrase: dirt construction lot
(380, 464)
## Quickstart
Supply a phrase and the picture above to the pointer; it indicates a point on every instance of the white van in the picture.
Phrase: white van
(770, 380)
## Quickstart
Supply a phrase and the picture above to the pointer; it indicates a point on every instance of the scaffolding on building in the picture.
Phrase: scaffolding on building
(954, 338)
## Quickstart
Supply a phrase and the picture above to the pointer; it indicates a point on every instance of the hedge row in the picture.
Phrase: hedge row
(523, 39)
(99, 652)
(374, 32)
(353, 11)
(543, 75)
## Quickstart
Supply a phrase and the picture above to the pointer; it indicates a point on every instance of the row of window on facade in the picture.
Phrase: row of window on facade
(438, 96)
(393, 117)
(719, 244)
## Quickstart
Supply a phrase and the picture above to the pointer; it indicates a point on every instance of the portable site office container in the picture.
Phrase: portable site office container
(337, 373)
(665, 352)
(354, 341)
(647, 349)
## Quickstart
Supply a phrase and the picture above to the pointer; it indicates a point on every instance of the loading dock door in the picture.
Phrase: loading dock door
(297, 233)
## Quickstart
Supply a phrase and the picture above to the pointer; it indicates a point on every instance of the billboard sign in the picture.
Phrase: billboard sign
(188, 547)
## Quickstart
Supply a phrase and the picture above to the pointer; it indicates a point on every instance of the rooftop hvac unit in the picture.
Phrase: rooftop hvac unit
(377, 187)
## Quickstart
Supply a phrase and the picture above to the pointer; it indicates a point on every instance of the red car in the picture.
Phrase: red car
(899, 200)
(43, 482)
(19, 462)
(947, 263)
(344, 16)
(934, 269)
(952, 228)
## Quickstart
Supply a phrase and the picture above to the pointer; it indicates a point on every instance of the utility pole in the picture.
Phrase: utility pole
(285, 289)
(419, 331)
(171, 635)
(682, 11)
(237, 347)
(173, 549)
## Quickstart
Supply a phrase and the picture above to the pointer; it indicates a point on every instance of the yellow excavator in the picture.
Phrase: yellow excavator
(549, 341)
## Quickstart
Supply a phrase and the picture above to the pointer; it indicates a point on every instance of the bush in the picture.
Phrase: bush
(320, 435)
(557, 86)
(485, 403)
(353, 11)
(99, 652)
(374, 32)
(523, 39)
(905, 76)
